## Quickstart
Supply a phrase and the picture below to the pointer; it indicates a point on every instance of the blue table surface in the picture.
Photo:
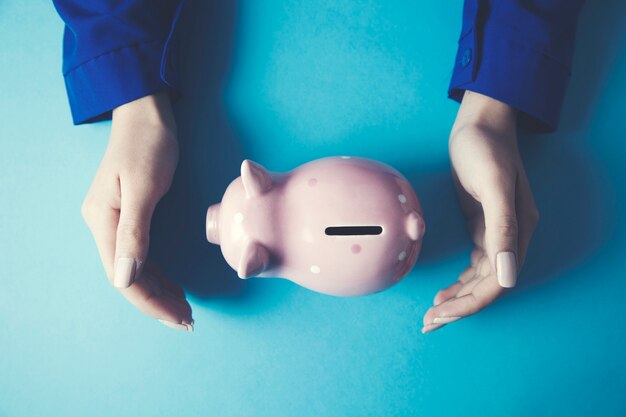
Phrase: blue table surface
(283, 82)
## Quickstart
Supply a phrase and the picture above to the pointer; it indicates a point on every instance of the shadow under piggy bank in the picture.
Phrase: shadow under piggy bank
(572, 193)
(210, 156)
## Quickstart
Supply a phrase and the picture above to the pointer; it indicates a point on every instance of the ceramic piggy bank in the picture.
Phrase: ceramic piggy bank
(341, 225)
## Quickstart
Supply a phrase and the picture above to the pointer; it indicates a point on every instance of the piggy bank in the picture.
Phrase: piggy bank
(343, 226)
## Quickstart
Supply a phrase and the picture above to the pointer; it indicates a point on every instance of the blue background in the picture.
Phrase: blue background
(283, 82)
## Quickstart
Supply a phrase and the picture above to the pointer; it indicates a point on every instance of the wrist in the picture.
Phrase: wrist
(152, 110)
(480, 112)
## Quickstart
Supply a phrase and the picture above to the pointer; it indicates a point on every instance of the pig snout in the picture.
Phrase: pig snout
(212, 228)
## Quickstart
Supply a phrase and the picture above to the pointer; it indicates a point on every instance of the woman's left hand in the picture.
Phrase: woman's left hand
(498, 204)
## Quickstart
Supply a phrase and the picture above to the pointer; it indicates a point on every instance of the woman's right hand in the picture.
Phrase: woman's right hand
(135, 172)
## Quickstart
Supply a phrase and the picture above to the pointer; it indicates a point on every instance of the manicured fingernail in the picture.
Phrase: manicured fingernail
(506, 268)
(445, 320)
(125, 269)
(189, 325)
(180, 326)
(431, 327)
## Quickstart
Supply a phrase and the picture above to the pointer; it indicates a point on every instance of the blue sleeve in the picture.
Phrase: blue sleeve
(116, 51)
(518, 52)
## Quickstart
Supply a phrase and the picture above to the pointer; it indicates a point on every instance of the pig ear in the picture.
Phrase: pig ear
(414, 225)
(256, 179)
(254, 260)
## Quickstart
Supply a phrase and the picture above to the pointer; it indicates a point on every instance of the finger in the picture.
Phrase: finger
(431, 327)
(166, 283)
(528, 217)
(432, 322)
(102, 222)
(150, 297)
(484, 293)
(447, 293)
(477, 256)
(439, 322)
(470, 207)
(501, 228)
(133, 233)
(476, 229)
(470, 286)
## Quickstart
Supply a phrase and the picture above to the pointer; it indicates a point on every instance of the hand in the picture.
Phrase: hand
(498, 204)
(135, 172)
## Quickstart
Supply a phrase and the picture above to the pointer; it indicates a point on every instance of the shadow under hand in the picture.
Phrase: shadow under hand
(575, 205)
(210, 156)
(572, 192)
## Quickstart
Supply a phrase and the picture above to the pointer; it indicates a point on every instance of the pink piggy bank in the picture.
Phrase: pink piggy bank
(341, 225)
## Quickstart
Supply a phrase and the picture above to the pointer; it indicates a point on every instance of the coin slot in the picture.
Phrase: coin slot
(353, 230)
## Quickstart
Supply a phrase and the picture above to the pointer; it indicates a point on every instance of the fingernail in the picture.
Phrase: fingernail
(506, 269)
(180, 326)
(445, 320)
(124, 272)
(431, 327)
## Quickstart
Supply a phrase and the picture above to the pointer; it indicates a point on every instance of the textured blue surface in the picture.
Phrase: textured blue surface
(283, 82)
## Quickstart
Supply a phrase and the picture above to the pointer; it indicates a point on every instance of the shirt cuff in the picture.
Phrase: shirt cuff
(514, 73)
(105, 82)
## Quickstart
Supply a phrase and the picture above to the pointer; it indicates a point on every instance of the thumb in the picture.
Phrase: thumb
(133, 235)
(501, 232)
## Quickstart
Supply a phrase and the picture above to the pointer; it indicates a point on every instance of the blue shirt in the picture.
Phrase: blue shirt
(116, 51)
(516, 51)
